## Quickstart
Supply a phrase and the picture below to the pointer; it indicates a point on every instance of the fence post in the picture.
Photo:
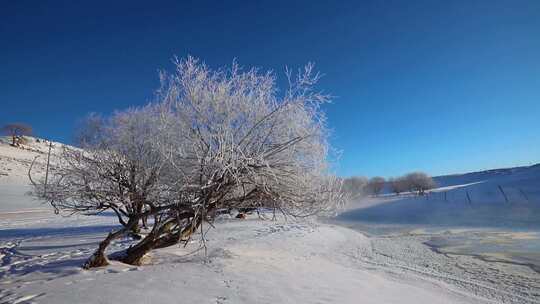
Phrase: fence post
(524, 195)
(504, 194)
(47, 169)
(468, 198)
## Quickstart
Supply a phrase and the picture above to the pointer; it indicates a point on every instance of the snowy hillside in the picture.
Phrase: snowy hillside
(14, 165)
(494, 174)
(495, 198)
(520, 185)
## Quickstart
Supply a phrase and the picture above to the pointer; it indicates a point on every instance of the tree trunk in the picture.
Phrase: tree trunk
(135, 255)
(99, 258)
(136, 229)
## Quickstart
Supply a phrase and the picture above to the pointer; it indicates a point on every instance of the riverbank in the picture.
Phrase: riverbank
(412, 252)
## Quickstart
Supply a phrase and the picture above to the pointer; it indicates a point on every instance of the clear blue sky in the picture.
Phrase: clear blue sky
(439, 86)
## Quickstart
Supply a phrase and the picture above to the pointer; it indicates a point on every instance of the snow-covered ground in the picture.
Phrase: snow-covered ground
(248, 261)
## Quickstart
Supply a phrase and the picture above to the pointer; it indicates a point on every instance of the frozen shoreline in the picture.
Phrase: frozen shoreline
(409, 253)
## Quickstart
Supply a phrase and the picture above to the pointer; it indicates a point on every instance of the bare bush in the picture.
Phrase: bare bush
(214, 139)
(17, 131)
(419, 182)
(375, 185)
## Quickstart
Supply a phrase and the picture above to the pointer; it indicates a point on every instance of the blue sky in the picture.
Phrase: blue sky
(438, 86)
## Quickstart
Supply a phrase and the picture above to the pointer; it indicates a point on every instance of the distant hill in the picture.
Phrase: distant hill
(478, 176)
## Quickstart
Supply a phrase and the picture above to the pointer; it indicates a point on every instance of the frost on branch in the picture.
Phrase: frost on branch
(213, 139)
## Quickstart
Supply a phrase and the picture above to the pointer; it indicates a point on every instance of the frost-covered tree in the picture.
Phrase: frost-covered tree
(419, 182)
(213, 139)
(399, 185)
(375, 185)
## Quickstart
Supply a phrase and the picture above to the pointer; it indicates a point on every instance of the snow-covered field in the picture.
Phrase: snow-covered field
(248, 261)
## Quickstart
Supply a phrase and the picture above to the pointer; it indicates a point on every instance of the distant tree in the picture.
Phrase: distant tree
(355, 186)
(419, 182)
(375, 185)
(398, 185)
(17, 131)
